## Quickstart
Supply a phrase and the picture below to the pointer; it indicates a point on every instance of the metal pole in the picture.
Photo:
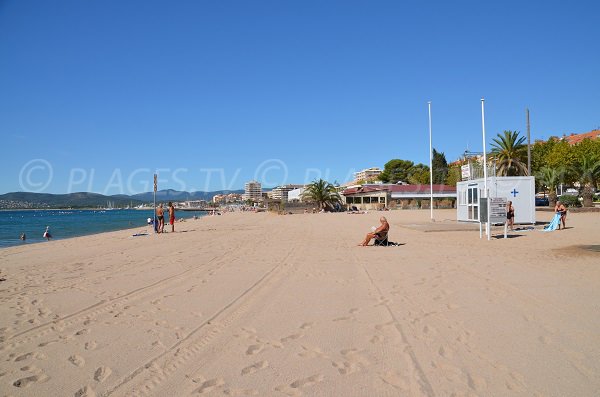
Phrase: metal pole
(154, 211)
(528, 144)
(485, 187)
(430, 165)
(484, 149)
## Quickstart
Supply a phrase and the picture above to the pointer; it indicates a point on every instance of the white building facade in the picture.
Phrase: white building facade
(281, 192)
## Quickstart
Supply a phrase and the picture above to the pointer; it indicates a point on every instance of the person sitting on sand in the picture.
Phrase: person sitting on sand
(560, 208)
(47, 234)
(380, 233)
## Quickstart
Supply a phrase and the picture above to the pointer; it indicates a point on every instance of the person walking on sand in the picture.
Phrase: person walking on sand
(510, 214)
(560, 208)
(379, 233)
(172, 216)
(160, 216)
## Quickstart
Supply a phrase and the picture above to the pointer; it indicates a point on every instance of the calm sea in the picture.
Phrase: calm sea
(71, 223)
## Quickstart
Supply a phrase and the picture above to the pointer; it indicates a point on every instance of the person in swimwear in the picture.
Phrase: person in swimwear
(160, 216)
(510, 214)
(560, 208)
(380, 233)
(47, 234)
(172, 216)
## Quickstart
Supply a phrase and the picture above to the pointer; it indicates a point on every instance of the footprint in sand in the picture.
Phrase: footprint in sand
(211, 384)
(476, 383)
(345, 367)
(291, 337)
(84, 331)
(102, 373)
(307, 325)
(26, 356)
(254, 349)
(77, 360)
(255, 367)
(293, 388)
(28, 381)
(91, 345)
(85, 391)
(314, 352)
(376, 339)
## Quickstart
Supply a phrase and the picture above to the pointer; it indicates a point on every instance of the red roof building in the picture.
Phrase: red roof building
(381, 196)
(574, 139)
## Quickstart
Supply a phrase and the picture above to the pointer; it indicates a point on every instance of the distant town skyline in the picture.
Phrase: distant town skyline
(99, 96)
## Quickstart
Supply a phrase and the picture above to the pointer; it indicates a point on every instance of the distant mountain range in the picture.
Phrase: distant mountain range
(22, 200)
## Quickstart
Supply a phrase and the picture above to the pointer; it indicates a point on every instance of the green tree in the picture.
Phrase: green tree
(509, 151)
(454, 175)
(562, 156)
(539, 154)
(439, 166)
(323, 193)
(418, 174)
(396, 170)
(550, 178)
(587, 173)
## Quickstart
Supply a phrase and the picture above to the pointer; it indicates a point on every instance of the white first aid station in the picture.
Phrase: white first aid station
(483, 200)
(476, 206)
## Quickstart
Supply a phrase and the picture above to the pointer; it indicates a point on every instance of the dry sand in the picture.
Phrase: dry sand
(267, 305)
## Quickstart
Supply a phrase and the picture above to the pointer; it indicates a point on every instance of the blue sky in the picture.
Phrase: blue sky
(95, 96)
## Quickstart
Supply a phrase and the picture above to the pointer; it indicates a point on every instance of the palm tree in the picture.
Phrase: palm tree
(550, 178)
(588, 173)
(323, 193)
(509, 151)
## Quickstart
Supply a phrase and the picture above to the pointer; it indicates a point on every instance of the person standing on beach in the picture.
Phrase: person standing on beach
(510, 214)
(172, 216)
(560, 208)
(160, 215)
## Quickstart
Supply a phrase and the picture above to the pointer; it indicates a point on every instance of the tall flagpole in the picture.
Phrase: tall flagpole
(430, 164)
(485, 188)
(484, 151)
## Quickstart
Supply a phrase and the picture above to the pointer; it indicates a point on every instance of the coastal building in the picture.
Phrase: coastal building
(252, 191)
(381, 196)
(219, 198)
(193, 204)
(295, 195)
(368, 174)
(281, 192)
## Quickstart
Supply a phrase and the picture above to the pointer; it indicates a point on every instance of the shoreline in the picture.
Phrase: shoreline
(15, 242)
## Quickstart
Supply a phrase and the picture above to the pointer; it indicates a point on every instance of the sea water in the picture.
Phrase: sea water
(73, 223)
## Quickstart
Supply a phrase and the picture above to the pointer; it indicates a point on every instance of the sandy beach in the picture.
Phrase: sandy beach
(268, 305)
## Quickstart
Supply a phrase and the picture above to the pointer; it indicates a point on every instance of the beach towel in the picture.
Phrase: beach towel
(554, 223)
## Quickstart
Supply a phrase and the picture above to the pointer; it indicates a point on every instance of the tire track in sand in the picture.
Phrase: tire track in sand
(194, 342)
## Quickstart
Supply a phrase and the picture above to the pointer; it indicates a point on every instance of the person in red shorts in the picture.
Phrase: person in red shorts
(172, 216)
